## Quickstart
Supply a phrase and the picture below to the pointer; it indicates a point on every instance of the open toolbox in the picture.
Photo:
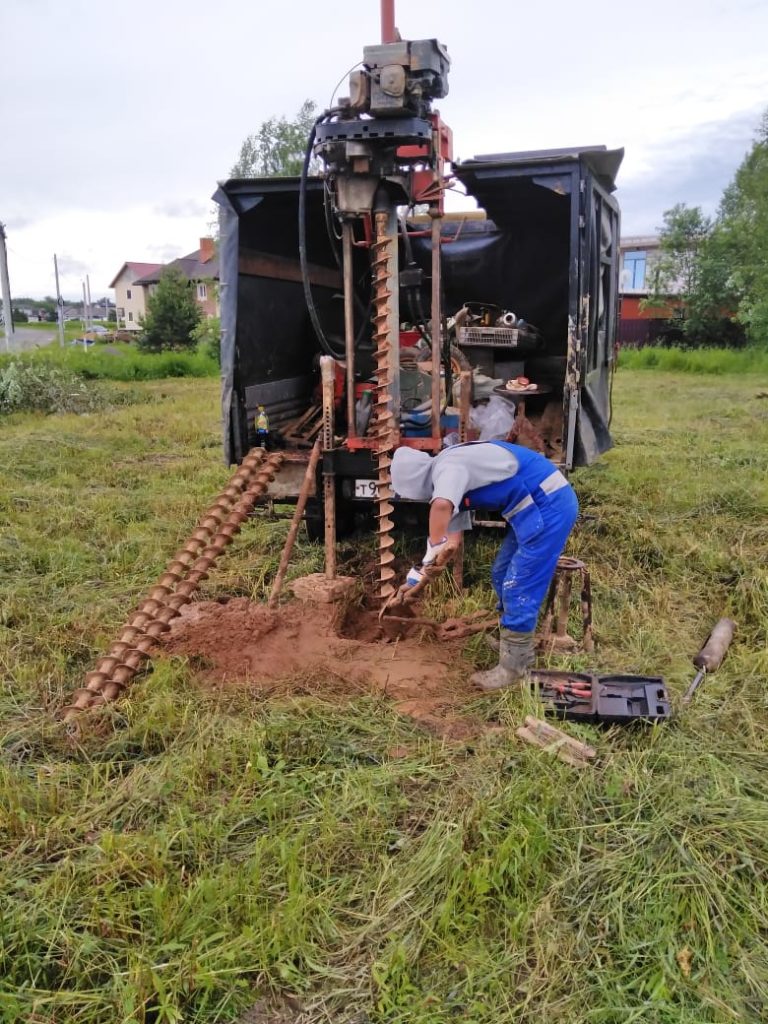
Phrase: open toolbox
(618, 699)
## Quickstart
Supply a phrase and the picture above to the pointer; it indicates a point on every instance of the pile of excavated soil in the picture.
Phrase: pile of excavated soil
(305, 650)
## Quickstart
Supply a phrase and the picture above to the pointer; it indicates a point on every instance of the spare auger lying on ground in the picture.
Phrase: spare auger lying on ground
(185, 572)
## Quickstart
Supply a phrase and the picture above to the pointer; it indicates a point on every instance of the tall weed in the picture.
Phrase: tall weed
(119, 362)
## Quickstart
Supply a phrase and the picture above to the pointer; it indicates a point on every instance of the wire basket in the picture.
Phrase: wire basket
(492, 337)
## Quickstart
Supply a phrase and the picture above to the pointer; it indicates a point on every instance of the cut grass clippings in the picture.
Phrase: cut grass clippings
(195, 852)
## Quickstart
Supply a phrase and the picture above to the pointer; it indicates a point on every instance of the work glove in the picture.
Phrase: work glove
(414, 577)
(433, 550)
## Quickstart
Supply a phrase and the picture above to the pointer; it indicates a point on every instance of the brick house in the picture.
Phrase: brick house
(201, 268)
(638, 325)
(130, 297)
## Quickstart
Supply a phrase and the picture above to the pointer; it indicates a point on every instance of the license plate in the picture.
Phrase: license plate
(365, 489)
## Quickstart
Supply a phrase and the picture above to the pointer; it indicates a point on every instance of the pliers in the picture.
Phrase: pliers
(574, 692)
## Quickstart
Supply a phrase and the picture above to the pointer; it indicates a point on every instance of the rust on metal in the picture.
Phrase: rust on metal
(290, 540)
(183, 575)
(388, 30)
(328, 375)
(383, 430)
(557, 608)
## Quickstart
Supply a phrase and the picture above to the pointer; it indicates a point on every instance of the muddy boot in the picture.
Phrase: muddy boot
(515, 657)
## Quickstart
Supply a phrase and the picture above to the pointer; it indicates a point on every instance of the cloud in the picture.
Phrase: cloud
(16, 223)
(181, 208)
(71, 267)
(165, 252)
(694, 169)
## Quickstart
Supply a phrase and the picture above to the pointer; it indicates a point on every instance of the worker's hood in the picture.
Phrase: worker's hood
(412, 474)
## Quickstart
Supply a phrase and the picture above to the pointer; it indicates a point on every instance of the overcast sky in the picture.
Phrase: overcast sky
(118, 119)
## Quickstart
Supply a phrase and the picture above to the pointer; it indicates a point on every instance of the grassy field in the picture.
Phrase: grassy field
(118, 361)
(194, 852)
(714, 361)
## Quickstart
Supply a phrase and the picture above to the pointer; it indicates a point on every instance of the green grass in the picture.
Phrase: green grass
(702, 360)
(195, 851)
(120, 362)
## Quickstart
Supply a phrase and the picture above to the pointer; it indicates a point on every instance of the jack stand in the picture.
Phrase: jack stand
(557, 607)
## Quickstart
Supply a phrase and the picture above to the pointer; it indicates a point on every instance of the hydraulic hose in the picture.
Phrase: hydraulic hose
(325, 344)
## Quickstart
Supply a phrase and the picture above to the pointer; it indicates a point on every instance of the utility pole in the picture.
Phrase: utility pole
(59, 302)
(85, 317)
(88, 292)
(5, 284)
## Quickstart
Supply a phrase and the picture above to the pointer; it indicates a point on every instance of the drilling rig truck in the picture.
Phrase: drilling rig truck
(356, 308)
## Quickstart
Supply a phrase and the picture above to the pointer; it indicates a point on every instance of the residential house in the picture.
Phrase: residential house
(201, 268)
(130, 298)
(639, 325)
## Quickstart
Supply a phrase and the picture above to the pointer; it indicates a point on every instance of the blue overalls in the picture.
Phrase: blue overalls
(541, 508)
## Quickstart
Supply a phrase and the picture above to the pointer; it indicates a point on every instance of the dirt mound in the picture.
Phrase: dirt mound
(304, 650)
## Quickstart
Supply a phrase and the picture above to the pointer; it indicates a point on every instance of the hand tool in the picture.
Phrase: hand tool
(710, 657)
(405, 595)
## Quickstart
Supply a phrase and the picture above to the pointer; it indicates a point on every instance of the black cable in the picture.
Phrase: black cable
(325, 344)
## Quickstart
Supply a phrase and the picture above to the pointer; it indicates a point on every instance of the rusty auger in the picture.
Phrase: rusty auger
(383, 423)
(183, 575)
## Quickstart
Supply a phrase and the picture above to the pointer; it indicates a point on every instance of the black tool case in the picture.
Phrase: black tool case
(615, 699)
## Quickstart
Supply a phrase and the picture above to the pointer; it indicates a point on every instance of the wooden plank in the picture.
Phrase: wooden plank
(294, 427)
(281, 268)
(561, 750)
(549, 732)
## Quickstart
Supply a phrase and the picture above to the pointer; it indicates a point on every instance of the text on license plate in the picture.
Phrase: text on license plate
(365, 489)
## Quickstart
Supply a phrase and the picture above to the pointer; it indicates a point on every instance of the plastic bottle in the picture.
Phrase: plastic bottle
(261, 423)
(363, 409)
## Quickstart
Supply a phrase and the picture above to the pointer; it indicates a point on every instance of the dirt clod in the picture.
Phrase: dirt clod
(321, 650)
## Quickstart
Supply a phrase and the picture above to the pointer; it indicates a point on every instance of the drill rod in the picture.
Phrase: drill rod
(710, 657)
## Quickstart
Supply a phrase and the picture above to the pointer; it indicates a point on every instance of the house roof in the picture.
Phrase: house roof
(139, 269)
(640, 242)
(190, 266)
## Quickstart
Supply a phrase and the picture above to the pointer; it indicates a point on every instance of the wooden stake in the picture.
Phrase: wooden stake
(546, 736)
(290, 540)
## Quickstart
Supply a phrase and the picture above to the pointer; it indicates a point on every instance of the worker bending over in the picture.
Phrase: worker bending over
(537, 502)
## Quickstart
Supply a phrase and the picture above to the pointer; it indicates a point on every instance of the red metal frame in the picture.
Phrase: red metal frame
(388, 30)
(356, 444)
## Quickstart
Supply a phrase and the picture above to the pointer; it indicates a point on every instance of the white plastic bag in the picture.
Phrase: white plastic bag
(494, 420)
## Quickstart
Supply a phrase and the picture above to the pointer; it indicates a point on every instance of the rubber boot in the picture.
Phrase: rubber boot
(515, 657)
(492, 641)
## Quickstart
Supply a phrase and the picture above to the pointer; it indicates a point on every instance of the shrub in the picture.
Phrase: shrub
(172, 315)
(42, 387)
(207, 337)
(117, 362)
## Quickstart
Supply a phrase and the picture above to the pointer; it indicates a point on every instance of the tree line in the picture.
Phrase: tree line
(716, 268)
